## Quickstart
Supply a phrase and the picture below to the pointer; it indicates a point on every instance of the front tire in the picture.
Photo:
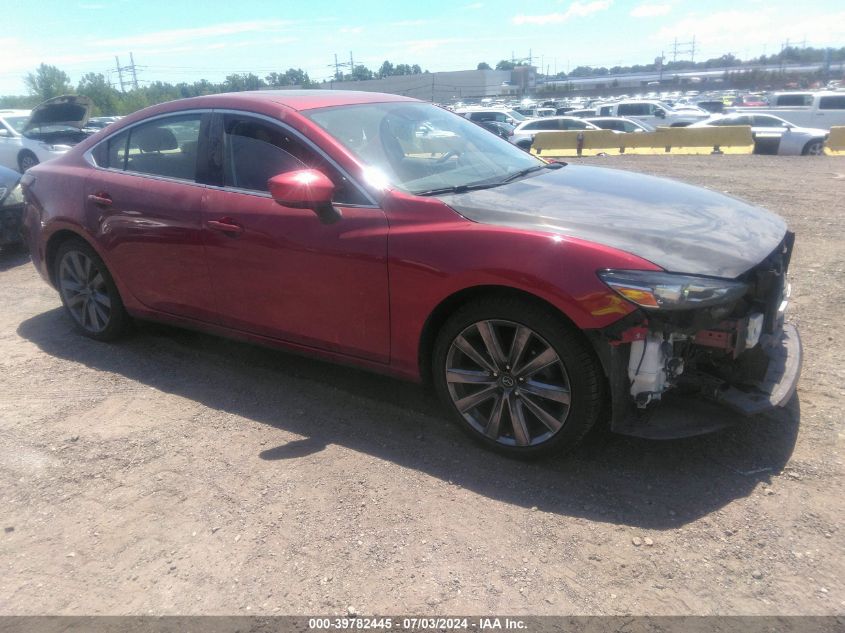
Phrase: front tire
(814, 148)
(89, 293)
(517, 377)
(27, 159)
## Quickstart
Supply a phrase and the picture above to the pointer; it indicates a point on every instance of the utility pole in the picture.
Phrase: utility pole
(338, 75)
(683, 48)
(130, 68)
(119, 73)
(134, 74)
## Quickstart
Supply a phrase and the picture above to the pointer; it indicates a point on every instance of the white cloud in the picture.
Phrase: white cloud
(723, 30)
(576, 10)
(475, 6)
(650, 10)
(352, 29)
(179, 36)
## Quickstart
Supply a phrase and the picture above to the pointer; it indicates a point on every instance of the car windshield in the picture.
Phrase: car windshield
(418, 147)
(17, 122)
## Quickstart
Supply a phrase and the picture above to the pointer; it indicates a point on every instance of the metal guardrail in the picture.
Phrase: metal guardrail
(664, 140)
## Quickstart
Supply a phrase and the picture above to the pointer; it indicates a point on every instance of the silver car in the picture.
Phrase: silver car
(523, 135)
(773, 135)
(619, 124)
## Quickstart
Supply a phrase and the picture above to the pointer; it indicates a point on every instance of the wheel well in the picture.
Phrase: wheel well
(56, 240)
(447, 307)
(811, 142)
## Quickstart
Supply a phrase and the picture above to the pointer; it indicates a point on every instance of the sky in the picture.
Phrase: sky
(176, 40)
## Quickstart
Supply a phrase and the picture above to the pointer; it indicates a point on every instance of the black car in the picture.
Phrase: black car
(11, 207)
(499, 128)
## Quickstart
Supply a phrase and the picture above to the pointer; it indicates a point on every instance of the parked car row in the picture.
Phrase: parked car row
(47, 131)
(772, 134)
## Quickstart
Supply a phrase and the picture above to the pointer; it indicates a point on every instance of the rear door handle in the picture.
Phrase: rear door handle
(225, 225)
(100, 199)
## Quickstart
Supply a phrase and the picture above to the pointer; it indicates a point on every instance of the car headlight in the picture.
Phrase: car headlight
(55, 148)
(15, 196)
(668, 291)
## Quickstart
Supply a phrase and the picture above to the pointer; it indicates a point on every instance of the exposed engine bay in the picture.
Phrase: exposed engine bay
(737, 353)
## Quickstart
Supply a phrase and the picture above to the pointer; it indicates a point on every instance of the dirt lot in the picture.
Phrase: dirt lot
(179, 473)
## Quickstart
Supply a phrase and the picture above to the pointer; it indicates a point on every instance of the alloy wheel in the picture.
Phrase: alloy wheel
(84, 291)
(508, 383)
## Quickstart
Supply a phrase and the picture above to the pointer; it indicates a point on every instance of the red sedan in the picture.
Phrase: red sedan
(376, 230)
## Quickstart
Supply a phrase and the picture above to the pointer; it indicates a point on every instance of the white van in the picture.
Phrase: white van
(821, 109)
(652, 112)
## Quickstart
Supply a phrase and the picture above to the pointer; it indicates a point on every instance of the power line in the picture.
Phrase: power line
(130, 69)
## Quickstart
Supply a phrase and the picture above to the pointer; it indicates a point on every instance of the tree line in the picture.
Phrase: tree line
(49, 81)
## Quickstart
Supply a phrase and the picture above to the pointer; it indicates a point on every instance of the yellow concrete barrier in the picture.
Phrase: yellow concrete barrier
(729, 139)
(835, 145)
(664, 140)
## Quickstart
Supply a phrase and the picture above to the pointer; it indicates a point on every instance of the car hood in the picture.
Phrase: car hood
(66, 111)
(812, 131)
(679, 227)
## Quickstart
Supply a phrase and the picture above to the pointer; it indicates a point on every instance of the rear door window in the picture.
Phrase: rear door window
(835, 102)
(795, 100)
(634, 109)
(163, 147)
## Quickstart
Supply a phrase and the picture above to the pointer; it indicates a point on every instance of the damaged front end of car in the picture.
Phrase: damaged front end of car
(717, 341)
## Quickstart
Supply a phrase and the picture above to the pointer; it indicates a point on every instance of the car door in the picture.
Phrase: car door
(146, 200)
(10, 145)
(280, 272)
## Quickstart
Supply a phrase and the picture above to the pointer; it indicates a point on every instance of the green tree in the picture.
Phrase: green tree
(94, 86)
(361, 73)
(386, 70)
(47, 82)
(245, 81)
(484, 66)
(505, 65)
(291, 77)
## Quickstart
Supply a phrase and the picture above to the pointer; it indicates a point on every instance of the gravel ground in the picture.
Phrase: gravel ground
(177, 473)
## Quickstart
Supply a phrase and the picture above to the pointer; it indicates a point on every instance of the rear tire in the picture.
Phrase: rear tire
(88, 292)
(517, 377)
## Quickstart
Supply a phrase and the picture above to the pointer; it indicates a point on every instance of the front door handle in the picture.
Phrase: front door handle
(225, 225)
(101, 199)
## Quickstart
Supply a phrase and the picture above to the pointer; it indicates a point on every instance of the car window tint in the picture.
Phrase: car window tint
(545, 125)
(836, 102)
(111, 153)
(767, 121)
(254, 151)
(795, 100)
(164, 147)
(568, 124)
(633, 109)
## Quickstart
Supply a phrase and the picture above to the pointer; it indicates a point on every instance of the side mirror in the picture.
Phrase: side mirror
(660, 114)
(4, 132)
(305, 189)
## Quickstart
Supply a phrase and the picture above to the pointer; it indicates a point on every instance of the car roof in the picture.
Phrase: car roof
(298, 100)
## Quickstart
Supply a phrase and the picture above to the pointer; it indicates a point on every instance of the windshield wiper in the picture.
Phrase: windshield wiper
(457, 189)
(488, 185)
(529, 170)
